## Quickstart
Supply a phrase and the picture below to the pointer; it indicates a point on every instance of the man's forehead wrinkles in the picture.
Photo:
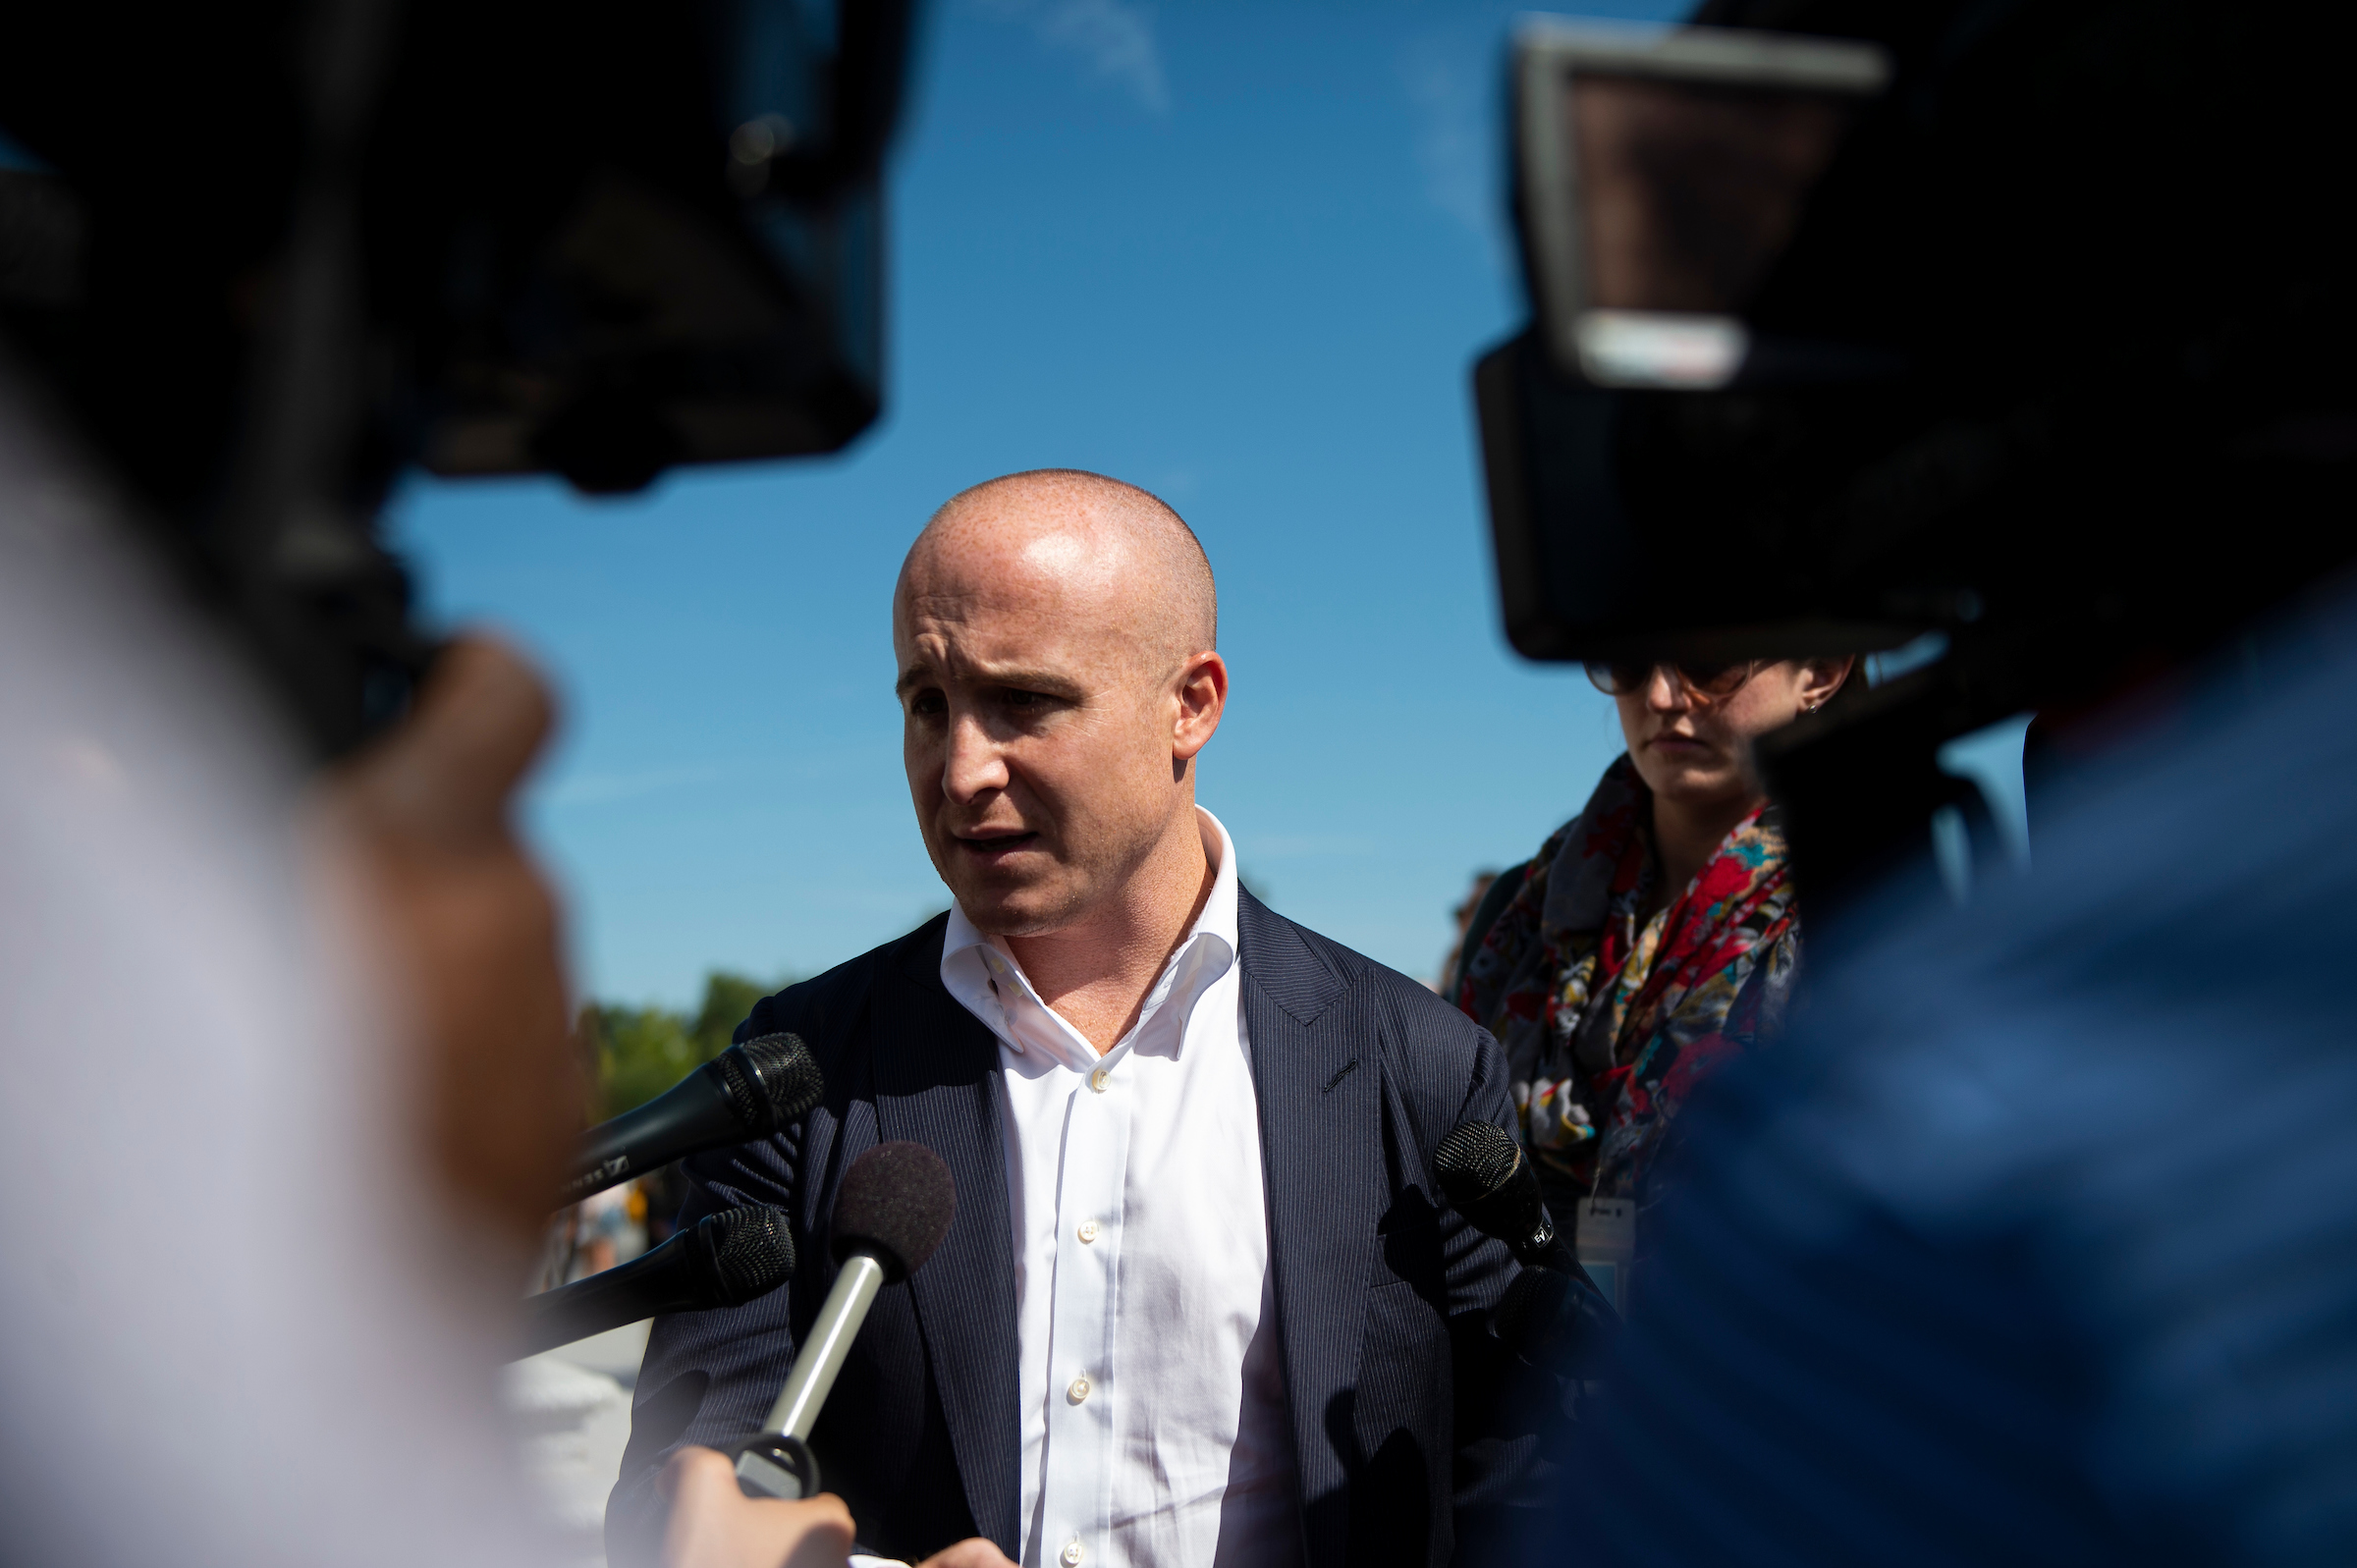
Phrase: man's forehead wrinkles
(973, 618)
(962, 580)
(1061, 660)
(988, 626)
(944, 604)
(1043, 662)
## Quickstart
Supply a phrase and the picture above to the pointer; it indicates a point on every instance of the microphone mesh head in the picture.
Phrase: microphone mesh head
(748, 1253)
(1474, 1161)
(897, 1198)
(771, 1081)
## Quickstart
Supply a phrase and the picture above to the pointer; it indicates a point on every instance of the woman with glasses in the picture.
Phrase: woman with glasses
(1653, 936)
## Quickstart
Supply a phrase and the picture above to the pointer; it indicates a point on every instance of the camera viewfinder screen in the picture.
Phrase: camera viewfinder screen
(1690, 190)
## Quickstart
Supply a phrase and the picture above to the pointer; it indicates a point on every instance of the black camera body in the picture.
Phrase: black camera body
(2021, 324)
(285, 248)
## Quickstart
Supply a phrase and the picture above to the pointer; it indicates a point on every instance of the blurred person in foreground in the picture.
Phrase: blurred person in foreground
(339, 1005)
(1654, 936)
(327, 994)
(1196, 1307)
(2035, 1240)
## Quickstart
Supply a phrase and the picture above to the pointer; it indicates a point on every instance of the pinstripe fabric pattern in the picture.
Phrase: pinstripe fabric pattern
(1380, 1295)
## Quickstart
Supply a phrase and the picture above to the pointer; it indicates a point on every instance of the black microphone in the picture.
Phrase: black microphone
(1552, 1315)
(728, 1260)
(746, 1092)
(892, 1208)
(1557, 1321)
(1485, 1177)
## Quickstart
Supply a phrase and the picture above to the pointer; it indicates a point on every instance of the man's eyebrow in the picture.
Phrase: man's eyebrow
(1047, 682)
(1044, 682)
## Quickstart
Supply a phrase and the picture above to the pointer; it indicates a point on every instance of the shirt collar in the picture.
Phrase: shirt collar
(966, 954)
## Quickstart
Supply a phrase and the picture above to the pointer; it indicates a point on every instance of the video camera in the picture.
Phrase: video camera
(2021, 326)
(284, 248)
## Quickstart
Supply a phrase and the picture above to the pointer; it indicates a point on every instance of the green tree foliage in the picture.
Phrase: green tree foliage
(640, 1051)
(728, 998)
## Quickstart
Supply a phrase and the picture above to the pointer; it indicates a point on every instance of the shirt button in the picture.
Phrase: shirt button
(1088, 1230)
(1070, 1556)
(1078, 1391)
(1096, 1080)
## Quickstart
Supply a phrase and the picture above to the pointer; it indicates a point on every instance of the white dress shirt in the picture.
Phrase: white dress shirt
(1154, 1424)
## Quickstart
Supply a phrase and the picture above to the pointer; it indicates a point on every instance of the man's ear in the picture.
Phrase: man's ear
(1202, 689)
(1821, 678)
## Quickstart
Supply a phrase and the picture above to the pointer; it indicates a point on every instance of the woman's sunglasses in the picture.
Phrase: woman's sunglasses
(1622, 678)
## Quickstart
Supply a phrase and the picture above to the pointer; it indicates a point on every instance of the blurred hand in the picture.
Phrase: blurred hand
(713, 1525)
(973, 1553)
(469, 929)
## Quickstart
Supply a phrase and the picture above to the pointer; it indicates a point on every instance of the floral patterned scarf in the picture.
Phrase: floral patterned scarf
(1609, 1025)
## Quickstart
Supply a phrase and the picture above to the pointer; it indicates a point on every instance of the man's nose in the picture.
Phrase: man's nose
(974, 765)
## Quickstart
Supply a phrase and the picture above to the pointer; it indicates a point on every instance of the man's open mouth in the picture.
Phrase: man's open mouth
(996, 844)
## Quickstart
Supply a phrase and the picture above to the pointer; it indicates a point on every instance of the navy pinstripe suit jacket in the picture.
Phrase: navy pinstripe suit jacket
(1399, 1416)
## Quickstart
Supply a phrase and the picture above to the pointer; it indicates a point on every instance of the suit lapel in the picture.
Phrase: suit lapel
(938, 1084)
(1321, 1154)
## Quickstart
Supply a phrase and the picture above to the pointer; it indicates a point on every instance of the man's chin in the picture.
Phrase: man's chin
(1015, 920)
(1002, 911)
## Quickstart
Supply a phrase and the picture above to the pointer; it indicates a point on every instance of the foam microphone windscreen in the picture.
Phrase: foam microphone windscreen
(897, 1200)
(745, 1253)
(771, 1081)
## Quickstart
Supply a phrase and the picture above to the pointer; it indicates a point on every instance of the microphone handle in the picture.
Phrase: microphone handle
(658, 1281)
(691, 1114)
(1545, 1248)
(1557, 1321)
(774, 1463)
(824, 1348)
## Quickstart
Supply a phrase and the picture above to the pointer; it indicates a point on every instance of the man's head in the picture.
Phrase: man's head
(1055, 633)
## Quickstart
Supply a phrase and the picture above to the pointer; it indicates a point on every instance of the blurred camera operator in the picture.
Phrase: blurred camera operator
(269, 930)
(1654, 934)
(2032, 1242)
(339, 1005)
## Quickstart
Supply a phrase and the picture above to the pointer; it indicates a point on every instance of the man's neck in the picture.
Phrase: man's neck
(1096, 973)
(1686, 835)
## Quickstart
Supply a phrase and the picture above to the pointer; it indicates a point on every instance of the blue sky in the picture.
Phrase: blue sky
(1240, 254)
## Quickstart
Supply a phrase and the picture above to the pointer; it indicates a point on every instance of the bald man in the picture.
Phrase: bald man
(1197, 1306)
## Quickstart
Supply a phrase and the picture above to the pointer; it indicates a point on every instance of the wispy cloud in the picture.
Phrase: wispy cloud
(1449, 89)
(1114, 38)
